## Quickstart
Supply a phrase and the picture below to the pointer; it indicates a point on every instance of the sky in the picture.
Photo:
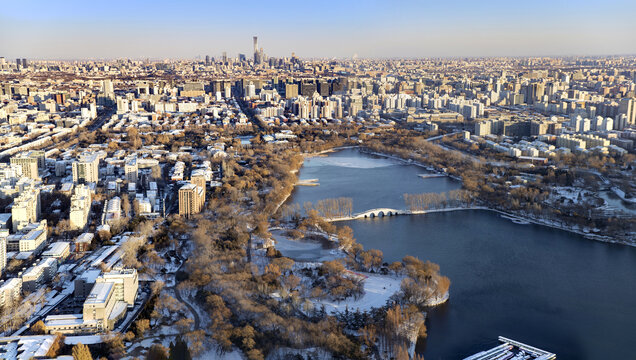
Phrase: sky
(139, 29)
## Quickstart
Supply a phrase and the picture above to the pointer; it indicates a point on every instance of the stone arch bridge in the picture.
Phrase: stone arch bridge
(380, 212)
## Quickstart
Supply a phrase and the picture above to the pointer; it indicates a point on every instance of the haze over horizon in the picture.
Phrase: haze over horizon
(397, 29)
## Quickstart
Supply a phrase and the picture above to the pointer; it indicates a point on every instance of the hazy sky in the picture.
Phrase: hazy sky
(70, 29)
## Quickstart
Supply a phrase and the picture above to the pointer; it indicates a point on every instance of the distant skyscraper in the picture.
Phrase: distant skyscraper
(224, 57)
(291, 91)
(628, 107)
(24, 63)
(107, 87)
(257, 59)
(18, 63)
(207, 60)
(3, 253)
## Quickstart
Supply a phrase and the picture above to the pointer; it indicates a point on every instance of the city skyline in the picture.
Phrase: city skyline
(406, 29)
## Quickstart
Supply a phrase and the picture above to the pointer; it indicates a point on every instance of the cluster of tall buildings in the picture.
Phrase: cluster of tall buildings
(20, 63)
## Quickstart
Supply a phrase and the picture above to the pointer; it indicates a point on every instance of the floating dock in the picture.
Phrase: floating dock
(308, 182)
(512, 350)
(428, 176)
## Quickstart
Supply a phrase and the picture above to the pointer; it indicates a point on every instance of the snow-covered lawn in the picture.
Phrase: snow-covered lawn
(377, 290)
(213, 354)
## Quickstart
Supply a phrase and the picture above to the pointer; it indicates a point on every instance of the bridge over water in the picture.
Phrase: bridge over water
(382, 212)
(372, 213)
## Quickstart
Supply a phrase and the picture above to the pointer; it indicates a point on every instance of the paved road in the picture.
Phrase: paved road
(441, 136)
(101, 120)
(177, 294)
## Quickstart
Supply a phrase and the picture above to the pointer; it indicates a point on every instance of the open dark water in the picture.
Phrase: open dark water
(548, 288)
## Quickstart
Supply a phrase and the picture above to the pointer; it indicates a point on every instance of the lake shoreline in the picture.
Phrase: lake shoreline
(537, 221)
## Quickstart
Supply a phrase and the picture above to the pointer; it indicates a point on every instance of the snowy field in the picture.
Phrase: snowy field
(377, 290)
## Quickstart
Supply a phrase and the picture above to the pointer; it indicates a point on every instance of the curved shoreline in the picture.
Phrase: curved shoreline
(525, 218)
(506, 215)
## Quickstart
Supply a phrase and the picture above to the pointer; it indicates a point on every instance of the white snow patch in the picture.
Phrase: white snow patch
(377, 290)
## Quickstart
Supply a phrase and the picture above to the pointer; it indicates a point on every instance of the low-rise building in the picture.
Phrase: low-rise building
(112, 211)
(10, 291)
(102, 306)
(83, 242)
(30, 238)
(38, 274)
(58, 250)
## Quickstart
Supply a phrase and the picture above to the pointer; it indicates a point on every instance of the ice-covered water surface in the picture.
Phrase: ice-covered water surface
(304, 251)
(371, 181)
(614, 202)
(352, 162)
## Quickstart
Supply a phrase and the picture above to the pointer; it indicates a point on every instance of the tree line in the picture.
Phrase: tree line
(429, 201)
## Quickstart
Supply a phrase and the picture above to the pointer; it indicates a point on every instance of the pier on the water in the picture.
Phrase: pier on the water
(512, 350)
(308, 182)
(428, 176)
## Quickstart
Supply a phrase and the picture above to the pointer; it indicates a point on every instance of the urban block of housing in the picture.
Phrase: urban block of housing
(533, 109)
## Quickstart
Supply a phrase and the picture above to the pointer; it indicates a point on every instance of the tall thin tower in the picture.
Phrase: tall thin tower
(256, 57)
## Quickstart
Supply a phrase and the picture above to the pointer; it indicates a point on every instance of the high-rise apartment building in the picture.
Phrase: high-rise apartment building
(33, 163)
(80, 207)
(107, 87)
(86, 169)
(191, 199)
(308, 89)
(291, 91)
(131, 169)
(26, 208)
(627, 106)
(3, 253)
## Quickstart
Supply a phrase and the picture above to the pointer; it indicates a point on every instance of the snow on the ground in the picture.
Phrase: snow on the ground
(213, 354)
(311, 353)
(204, 317)
(570, 193)
(377, 290)
(84, 339)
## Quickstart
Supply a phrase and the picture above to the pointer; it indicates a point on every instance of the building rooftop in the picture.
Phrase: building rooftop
(85, 237)
(119, 309)
(64, 320)
(90, 276)
(88, 157)
(188, 186)
(99, 293)
(56, 248)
